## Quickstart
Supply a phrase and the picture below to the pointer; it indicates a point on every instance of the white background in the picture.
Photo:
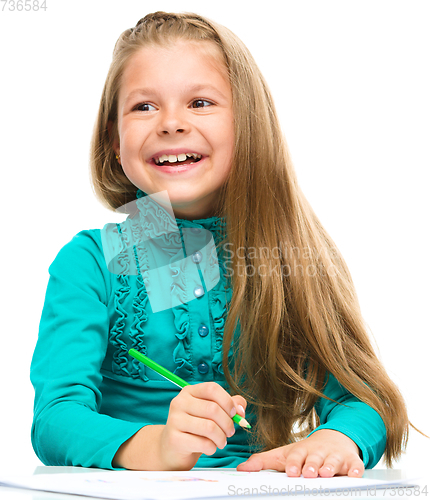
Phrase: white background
(351, 84)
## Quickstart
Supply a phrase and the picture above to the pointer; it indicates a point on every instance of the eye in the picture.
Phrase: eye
(200, 103)
(141, 105)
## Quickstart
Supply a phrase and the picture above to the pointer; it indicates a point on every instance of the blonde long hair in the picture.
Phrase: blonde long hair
(301, 318)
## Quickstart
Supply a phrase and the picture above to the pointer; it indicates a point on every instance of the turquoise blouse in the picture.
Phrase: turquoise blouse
(91, 396)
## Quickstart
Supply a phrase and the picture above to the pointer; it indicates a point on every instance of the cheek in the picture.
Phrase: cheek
(223, 137)
(128, 170)
(229, 143)
(225, 160)
(132, 138)
(229, 135)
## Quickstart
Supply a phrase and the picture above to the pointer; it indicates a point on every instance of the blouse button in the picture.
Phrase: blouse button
(203, 368)
(195, 230)
(197, 257)
(203, 330)
(198, 291)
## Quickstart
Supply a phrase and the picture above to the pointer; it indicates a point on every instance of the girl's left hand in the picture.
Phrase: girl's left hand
(326, 453)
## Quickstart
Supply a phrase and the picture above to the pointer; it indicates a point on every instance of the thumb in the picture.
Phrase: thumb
(240, 405)
(253, 464)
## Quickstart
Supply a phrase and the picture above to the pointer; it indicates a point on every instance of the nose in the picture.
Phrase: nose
(172, 120)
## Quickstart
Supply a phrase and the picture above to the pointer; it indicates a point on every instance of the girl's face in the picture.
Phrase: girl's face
(175, 101)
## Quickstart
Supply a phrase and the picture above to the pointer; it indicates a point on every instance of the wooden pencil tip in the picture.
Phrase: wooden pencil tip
(244, 423)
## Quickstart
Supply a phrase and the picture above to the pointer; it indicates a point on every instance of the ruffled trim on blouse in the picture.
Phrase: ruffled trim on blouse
(139, 304)
(120, 360)
(154, 223)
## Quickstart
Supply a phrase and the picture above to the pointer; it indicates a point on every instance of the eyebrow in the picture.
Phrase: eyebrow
(194, 88)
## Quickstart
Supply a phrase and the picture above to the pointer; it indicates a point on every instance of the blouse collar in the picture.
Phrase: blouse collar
(148, 204)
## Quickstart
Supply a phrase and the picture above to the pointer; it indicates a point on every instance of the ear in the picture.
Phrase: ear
(113, 134)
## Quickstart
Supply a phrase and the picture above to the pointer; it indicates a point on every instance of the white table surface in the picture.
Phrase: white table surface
(390, 474)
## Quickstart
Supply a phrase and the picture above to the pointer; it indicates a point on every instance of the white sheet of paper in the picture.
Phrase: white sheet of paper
(168, 485)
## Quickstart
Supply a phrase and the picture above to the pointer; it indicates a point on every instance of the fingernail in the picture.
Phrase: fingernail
(293, 470)
(328, 468)
(311, 469)
(233, 412)
(241, 408)
(356, 471)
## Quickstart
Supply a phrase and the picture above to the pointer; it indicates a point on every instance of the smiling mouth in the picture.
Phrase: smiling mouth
(189, 160)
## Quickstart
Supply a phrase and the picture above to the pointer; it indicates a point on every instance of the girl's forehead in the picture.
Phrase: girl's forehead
(193, 54)
(185, 48)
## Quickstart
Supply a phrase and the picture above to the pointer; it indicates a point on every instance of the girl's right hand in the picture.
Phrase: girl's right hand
(199, 421)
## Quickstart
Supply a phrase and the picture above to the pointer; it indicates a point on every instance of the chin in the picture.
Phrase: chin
(179, 199)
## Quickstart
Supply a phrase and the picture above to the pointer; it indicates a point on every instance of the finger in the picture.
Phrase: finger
(218, 427)
(295, 461)
(272, 459)
(193, 443)
(332, 465)
(312, 465)
(240, 404)
(202, 427)
(356, 468)
(211, 391)
(253, 464)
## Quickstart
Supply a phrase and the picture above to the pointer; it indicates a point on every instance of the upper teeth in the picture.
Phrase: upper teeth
(174, 158)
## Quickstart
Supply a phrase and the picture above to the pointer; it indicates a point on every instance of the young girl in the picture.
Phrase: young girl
(279, 339)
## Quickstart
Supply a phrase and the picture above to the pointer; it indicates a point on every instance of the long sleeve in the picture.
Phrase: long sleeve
(356, 420)
(66, 367)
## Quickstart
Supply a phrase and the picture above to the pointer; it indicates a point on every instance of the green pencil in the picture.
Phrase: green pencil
(175, 379)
